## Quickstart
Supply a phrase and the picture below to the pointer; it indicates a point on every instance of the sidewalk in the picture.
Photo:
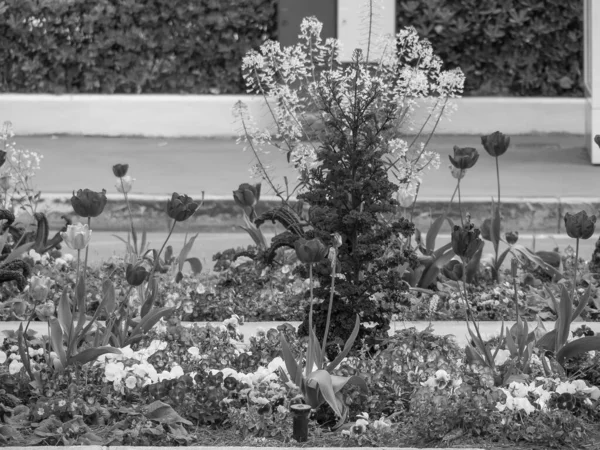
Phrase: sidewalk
(542, 176)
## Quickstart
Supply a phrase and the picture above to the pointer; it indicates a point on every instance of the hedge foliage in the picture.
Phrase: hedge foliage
(505, 47)
(130, 46)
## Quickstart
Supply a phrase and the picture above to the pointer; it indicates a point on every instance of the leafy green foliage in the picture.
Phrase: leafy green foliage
(522, 48)
(110, 46)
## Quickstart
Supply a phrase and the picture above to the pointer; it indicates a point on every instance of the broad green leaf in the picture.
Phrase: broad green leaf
(163, 413)
(510, 343)
(17, 252)
(149, 320)
(433, 270)
(321, 380)
(185, 251)
(583, 301)
(64, 312)
(338, 382)
(290, 362)
(92, 354)
(56, 338)
(433, 232)
(573, 348)
(152, 291)
(548, 341)
(565, 310)
(502, 257)
(347, 346)
(441, 251)
(473, 265)
(108, 297)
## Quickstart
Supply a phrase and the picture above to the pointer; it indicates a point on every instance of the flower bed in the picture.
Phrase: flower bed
(116, 366)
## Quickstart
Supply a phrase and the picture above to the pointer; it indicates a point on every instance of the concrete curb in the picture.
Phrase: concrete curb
(211, 116)
(220, 213)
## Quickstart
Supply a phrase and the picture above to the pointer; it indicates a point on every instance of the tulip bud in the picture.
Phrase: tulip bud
(512, 237)
(457, 174)
(247, 196)
(6, 182)
(181, 207)
(77, 236)
(39, 288)
(580, 226)
(120, 170)
(135, 275)
(496, 143)
(89, 203)
(465, 241)
(124, 184)
(464, 157)
(311, 251)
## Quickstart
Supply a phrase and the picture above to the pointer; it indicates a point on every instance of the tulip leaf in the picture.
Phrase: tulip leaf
(442, 251)
(347, 346)
(80, 300)
(583, 301)
(42, 231)
(17, 252)
(320, 380)
(148, 321)
(573, 348)
(64, 311)
(565, 310)
(495, 225)
(433, 270)
(152, 291)
(502, 257)
(548, 341)
(473, 265)
(22, 353)
(91, 354)
(56, 339)
(108, 297)
(185, 251)
(195, 264)
(290, 362)
(433, 232)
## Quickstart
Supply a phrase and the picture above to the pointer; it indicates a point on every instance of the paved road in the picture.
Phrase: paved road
(536, 166)
(104, 245)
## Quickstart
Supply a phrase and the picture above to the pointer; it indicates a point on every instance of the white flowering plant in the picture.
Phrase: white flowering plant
(344, 127)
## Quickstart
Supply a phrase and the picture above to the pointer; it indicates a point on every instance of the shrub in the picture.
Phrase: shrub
(522, 48)
(110, 46)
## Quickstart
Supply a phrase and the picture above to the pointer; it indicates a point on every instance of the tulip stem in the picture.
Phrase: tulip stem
(133, 236)
(452, 199)
(576, 266)
(77, 279)
(87, 248)
(330, 303)
(460, 203)
(157, 259)
(496, 247)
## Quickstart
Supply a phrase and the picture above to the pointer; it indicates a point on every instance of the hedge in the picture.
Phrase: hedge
(130, 46)
(505, 47)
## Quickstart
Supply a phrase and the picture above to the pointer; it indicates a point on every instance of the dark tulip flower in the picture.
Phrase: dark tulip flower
(120, 170)
(580, 226)
(88, 203)
(181, 207)
(496, 143)
(465, 240)
(135, 275)
(512, 237)
(247, 196)
(311, 251)
(464, 157)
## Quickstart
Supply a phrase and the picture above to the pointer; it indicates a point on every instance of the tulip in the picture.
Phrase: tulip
(181, 207)
(6, 182)
(580, 226)
(39, 288)
(89, 203)
(464, 157)
(247, 196)
(512, 237)
(46, 311)
(465, 241)
(77, 236)
(135, 276)
(311, 251)
(495, 144)
(120, 170)
(124, 184)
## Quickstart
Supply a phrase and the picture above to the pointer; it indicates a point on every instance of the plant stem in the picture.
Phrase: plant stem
(330, 303)
(87, 248)
(310, 310)
(496, 247)
(130, 217)
(576, 265)
(157, 259)
(77, 278)
(460, 203)
(452, 199)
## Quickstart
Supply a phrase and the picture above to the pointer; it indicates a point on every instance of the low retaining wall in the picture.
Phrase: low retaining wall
(211, 116)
